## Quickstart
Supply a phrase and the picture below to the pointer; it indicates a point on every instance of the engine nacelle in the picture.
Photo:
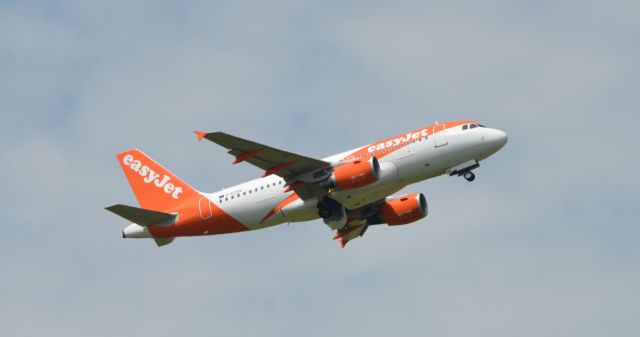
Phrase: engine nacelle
(404, 209)
(358, 173)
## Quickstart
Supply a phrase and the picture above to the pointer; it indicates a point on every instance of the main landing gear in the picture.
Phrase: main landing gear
(470, 176)
(332, 213)
(325, 213)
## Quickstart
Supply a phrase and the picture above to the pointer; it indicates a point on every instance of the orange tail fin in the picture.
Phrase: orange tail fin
(155, 187)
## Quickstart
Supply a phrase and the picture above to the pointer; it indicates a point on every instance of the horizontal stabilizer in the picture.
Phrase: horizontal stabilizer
(143, 217)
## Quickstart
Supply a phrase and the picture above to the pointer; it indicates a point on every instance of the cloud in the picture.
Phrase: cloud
(543, 243)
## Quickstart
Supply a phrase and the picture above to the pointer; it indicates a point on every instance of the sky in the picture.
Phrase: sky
(545, 242)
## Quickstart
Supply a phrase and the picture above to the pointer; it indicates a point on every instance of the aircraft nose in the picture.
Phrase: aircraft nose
(498, 138)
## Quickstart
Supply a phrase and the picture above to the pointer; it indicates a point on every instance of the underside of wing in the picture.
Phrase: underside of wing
(392, 210)
(349, 233)
(359, 221)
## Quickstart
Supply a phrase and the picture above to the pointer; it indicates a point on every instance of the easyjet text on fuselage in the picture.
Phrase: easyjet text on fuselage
(397, 141)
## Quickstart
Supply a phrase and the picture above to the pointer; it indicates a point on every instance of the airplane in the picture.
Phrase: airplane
(349, 191)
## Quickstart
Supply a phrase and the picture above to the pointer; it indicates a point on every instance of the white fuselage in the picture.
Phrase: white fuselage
(401, 165)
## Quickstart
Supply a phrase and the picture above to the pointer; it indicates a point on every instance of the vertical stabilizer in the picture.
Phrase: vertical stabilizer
(155, 187)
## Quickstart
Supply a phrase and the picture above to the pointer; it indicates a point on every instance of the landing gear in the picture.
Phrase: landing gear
(332, 213)
(328, 208)
(469, 176)
(324, 213)
(464, 170)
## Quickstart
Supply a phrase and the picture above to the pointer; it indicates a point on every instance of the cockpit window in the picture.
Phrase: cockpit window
(464, 127)
(482, 126)
(473, 126)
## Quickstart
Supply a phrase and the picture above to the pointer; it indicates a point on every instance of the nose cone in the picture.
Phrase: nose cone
(494, 139)
(497, 138)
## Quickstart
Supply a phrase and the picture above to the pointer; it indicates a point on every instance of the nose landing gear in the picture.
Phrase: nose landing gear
(464, 170)
(470, 176)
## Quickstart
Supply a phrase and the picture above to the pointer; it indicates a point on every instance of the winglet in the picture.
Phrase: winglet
(347, 234)
(339, 236)
(200, 134)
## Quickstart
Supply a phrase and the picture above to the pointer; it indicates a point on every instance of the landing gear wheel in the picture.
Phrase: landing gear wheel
(469, 176)
(325, 213)
(328, 208)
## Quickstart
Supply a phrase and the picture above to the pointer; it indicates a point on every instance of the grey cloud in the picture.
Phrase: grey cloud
(543, 243)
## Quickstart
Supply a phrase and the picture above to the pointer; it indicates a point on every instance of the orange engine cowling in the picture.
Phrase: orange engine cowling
(404, 209)
(355, 174)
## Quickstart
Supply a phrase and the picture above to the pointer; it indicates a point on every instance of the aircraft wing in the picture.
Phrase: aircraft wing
(349, 233)
(273, 161)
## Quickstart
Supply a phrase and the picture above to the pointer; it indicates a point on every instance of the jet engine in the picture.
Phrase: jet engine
(404, 209)
(358, 173)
